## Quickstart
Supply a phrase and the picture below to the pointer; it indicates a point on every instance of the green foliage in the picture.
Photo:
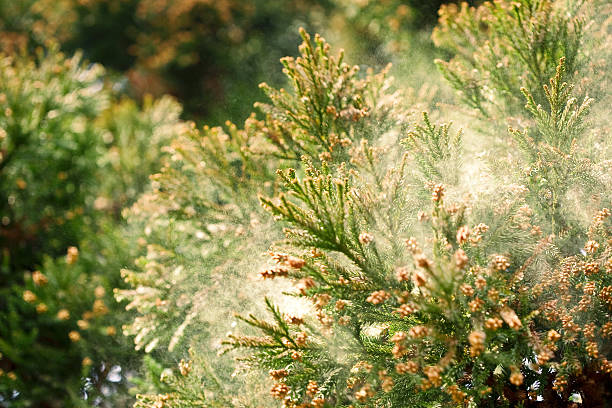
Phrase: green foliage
(204, 195)
(199, 196)
(326, 105)
(500, 297)
(235, 163)
(562, 123)
(556, 163)
(49, 152)
(62, 243)
(501, 46)
(62, 314)
(435, 148)
(399, 263)
(135, 137)
(208, 54)
(192, 384)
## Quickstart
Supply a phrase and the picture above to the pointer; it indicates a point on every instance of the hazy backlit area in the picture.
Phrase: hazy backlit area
(305, 203)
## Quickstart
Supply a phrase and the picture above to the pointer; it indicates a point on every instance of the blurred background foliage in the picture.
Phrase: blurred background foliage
(79, 141)
(211, 54)
(72, 154)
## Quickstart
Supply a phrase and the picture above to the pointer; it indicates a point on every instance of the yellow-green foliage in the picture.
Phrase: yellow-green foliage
(501, 46)
(66, 167)
(420, 285)
(336, 249)
(207, 194)
(48, 148)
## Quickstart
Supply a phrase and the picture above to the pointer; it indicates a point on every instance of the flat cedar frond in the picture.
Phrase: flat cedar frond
(278, 317)
(252, 342)
(268, 328)
(325, 199)
(563, 122)
(433, 146)
(327, 104)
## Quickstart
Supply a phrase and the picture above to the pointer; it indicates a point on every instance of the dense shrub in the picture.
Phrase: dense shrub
(340, 248)
(49, 152)
(70, 159)
(430, 272)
